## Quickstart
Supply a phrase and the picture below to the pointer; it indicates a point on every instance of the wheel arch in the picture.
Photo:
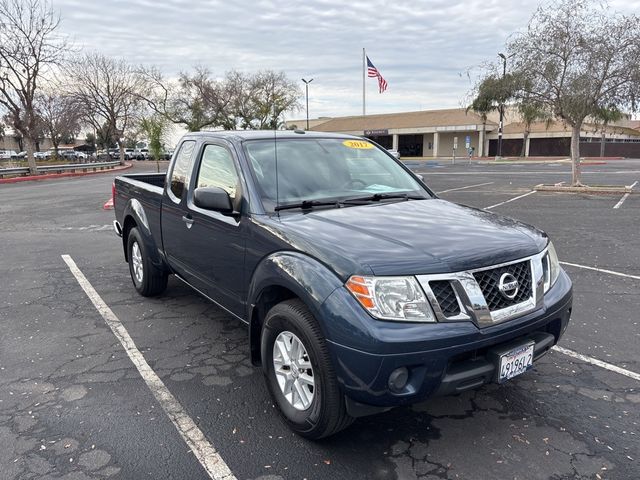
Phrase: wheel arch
(283, 276)
(134, 216)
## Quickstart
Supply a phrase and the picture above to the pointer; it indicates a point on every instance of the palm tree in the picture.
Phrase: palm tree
(531, 112)
(607, 115)
(492, 93)
(482, 106)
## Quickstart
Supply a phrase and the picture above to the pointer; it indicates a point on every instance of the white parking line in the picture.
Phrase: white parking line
(206, 454)
(598, 363)
(464, 188)
(511, 200)
(619, 204)
(610, 272)
(625, 196)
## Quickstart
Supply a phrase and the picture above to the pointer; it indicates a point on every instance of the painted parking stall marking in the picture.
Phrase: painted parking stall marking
(464, 188)
(511, 200)
(602, 270)
(596, 362)
(203, 450)
(625, 196)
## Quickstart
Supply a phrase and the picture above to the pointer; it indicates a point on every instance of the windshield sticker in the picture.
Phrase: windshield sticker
(359, 144)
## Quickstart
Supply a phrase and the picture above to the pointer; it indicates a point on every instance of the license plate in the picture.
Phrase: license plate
(515, 362)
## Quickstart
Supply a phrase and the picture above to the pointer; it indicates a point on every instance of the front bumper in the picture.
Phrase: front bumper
(442, 358)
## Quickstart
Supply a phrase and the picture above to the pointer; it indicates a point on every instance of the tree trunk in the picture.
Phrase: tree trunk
(602, 142)
(30, 149)
(484, 136)
(121, 145)
(575, 155)
(524, 143)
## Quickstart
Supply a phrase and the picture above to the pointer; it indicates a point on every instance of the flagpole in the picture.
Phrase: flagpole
(364, 83)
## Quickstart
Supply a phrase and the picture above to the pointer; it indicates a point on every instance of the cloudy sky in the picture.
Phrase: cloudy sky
(424, 48)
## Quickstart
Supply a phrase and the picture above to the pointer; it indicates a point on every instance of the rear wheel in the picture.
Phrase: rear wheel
(299, 372)
(148, 279)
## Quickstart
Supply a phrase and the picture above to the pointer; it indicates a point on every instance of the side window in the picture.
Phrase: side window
(217, 170)
(180, 173)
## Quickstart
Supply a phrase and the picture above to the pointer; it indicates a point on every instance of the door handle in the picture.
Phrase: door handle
(188, 220)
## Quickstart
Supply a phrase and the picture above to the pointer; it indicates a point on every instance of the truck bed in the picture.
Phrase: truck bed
(156, 179)
(148, 189)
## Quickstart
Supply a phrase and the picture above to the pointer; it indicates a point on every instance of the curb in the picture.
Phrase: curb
(586, 189)
(50, 176)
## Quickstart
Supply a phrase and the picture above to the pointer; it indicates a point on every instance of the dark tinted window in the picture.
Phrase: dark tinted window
(217, 170)
(325, 168)
(181, 168)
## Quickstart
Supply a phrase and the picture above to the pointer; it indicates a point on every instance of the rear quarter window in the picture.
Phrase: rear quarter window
(181, 170)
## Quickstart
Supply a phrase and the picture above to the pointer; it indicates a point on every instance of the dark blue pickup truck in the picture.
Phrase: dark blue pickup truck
(361, 289)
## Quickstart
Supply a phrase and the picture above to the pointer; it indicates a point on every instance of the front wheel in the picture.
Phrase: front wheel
(148, 279)
(299, 372)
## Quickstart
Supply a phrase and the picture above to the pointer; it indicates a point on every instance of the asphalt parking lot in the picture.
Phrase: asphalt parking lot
(73, 405)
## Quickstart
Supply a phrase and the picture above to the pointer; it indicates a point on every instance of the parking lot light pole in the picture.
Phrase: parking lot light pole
(306, 87)
(504, 74)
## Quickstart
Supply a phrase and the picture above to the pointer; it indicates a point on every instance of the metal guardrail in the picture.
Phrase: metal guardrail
(59, 168)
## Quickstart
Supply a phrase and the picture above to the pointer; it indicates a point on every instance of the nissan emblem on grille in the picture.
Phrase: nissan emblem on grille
(508, 285)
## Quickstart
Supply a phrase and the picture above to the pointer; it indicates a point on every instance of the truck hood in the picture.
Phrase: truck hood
(407, 238)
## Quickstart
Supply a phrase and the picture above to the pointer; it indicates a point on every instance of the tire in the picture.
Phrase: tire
(147, 279)
(324, 413)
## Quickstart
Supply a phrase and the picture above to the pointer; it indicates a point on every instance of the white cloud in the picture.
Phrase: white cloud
(423, 48)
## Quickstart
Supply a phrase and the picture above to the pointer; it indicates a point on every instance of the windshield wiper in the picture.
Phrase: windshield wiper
(376, 197)
(308, 205)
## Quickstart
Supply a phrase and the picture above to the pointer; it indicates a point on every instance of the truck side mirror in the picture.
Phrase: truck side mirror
(213, 198)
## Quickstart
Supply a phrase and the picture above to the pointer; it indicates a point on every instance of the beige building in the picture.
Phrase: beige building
(428, 133)
(554, 139)
(454, 131)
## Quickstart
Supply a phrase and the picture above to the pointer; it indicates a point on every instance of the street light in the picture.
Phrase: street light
(504, 73)
(306, 87)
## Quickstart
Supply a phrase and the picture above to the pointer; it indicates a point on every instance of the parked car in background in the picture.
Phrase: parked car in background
(22, 155)
(69, 155)
(8, 154)
(167, 155)
(129, 154)
(142, 154)
(42, 155)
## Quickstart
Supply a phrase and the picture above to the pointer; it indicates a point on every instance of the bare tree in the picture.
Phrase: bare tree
(577, 57)
(108, 92)
(60, 117)
(195, 100)
(29, 50)
(260, 99)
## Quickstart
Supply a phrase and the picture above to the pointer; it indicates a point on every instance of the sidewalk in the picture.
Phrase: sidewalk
(510, 160)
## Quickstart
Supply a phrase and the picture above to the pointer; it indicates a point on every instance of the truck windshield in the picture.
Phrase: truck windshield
(326, 169)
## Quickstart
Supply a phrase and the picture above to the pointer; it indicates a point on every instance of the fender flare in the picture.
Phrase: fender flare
(307, 278)
(134, 211)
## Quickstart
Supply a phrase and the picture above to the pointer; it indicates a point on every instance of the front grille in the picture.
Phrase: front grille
(446, 297)
(489, 279)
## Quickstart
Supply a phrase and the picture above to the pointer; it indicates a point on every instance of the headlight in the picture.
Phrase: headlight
(550, 267)
(392, 298)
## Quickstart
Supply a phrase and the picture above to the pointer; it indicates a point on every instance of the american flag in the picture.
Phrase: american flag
(372, 71)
